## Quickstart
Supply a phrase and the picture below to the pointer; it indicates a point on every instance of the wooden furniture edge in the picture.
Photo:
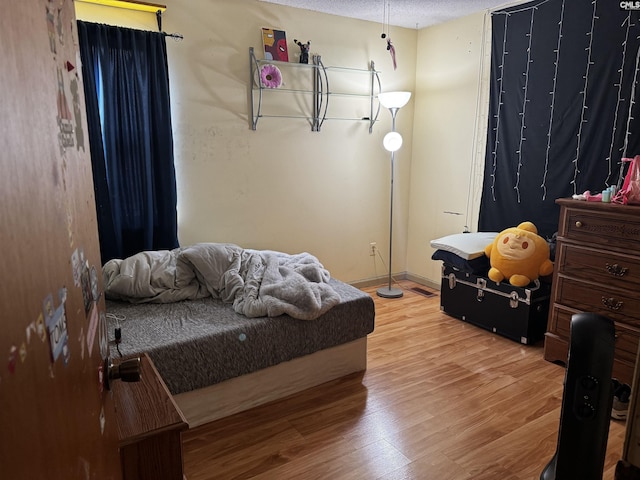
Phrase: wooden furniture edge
(150, 383)
(149, 426)
(631, 447)
(247, 391)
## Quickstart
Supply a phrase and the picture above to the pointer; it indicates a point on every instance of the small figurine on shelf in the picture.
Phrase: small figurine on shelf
(304, 50)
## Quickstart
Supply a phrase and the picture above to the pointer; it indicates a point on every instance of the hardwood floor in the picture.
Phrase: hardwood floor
(441, 400)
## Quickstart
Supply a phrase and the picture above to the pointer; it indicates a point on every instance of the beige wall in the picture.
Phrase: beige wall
(449, 131)
(286, 188)
(282, 186)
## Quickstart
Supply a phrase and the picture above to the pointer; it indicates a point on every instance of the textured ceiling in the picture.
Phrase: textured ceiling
(402, 13)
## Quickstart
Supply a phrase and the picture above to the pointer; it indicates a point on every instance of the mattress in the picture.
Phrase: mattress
(197, 343)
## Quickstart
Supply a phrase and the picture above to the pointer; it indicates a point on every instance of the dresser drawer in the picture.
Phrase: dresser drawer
(618, 305)
(597, 270)
(627, 339)
(599, 266)
(627, 343)
(615, 229)
(560, 320)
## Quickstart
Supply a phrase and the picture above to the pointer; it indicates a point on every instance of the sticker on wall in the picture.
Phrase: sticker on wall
(31, 329)
(13, 357)
(85, 468)
(40, 328)
(66, 353)
(103, 337)
(93, 279)
(23, 352)
(77, 113)
(51, 30)
(56, 322)
(93, 326)
(69, 222)
(101, 377)
(103, 421)
(86, 286)
(81, 340)
(76, 267)
(65, 123)
(59, 29)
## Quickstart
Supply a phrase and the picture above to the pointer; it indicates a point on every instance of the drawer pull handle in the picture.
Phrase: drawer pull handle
(578, 224)
(611, 303)
(616, 270)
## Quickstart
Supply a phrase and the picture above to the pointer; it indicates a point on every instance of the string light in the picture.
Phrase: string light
(553, 103)
(620, 99)
(494, 153)
(630, 117)
(583, 120)
(525, 100)
(585, 91)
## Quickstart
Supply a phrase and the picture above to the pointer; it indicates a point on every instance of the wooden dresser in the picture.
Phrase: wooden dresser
(597, 269)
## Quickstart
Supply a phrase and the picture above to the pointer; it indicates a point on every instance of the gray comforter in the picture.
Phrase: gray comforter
(258, 283)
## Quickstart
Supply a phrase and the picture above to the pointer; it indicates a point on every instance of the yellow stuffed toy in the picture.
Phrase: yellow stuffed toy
(519, 255)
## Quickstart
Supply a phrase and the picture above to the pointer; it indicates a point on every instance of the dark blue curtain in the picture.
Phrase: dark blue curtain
(561, 113)
(126, 86)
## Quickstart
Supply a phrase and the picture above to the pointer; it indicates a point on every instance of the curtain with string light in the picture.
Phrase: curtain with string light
(126, 86)
(562, 107)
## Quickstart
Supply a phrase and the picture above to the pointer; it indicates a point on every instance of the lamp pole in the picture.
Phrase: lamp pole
(388, 292)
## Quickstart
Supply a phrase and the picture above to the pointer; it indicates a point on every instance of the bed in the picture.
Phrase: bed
(216, 360)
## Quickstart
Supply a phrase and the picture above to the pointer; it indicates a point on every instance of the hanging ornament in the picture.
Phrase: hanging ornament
(392, 51)
(385, 20)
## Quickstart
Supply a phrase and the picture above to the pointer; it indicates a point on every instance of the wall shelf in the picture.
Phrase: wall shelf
(311, 87)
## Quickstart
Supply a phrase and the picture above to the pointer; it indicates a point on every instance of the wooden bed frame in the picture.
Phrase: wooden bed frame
(247, 391)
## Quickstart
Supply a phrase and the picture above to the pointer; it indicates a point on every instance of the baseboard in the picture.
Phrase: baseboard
(372, 282)
(423, 281)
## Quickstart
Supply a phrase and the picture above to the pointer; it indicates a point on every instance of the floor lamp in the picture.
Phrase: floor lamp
(392, 142)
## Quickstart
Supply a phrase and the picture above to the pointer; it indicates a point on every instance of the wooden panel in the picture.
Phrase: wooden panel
(626, 337)
(614, 227)
(597, 270)
(601, 266)
(155, 458)
(57, 422)
(631, 450)
(241, 393)
(619, 305)
(149, 426)
(136, 421)
(561, 320)
(627, 343)
(556, 348)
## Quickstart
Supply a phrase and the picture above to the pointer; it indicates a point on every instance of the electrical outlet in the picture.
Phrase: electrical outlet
(373, 249)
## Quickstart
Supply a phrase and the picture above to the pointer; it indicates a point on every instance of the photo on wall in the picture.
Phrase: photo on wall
(275, 44)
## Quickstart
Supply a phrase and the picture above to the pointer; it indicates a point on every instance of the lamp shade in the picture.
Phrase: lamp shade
(394, 99)
(392, 141)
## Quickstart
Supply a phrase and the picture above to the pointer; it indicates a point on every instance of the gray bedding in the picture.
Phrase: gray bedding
(256, 282)
(197, 343)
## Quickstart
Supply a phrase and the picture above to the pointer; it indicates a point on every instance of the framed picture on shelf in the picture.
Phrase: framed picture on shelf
(275, 44)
